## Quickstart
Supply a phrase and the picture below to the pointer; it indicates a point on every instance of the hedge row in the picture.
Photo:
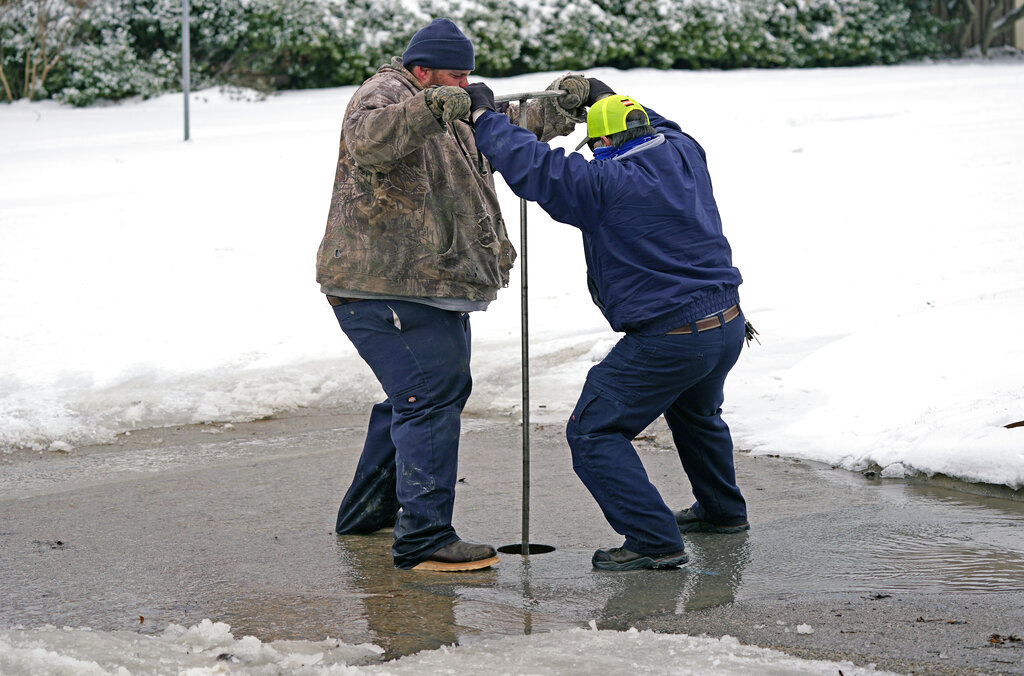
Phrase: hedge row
(121, 48)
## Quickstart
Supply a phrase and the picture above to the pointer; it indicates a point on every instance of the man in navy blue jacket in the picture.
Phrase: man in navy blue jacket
(661, 271)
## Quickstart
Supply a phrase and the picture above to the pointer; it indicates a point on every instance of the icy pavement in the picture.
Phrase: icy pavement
(169, 560)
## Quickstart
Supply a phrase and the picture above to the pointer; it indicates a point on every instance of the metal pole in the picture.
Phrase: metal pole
(185, 59)
(523, 96)
(525, 322)
(524, 305)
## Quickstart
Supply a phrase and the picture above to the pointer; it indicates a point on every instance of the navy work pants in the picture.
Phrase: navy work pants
(682, 376)
(420, 354)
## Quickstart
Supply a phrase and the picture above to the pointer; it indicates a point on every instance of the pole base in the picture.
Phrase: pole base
(531, 549)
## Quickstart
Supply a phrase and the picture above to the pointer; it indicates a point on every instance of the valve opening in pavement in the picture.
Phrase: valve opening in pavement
(531, 549)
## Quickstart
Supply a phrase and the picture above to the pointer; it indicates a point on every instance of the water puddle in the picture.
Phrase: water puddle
(920, 546)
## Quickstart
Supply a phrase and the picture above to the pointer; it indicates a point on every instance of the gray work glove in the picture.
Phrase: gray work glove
(447, 103)
(546, 117)
(576, 88)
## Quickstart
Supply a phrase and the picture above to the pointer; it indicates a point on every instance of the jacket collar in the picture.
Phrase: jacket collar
(654, 142)
(396, 65)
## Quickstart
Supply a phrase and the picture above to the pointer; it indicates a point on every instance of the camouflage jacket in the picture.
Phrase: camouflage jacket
(414, 211)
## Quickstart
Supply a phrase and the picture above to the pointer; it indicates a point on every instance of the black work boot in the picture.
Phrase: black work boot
(689, 522)
(460, 555)
(620, 558)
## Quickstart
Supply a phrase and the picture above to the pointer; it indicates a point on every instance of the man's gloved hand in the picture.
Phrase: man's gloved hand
(598, 90)
(576, 88)
(447, 103)
(480, 96)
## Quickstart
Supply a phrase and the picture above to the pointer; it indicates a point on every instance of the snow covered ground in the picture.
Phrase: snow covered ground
(874, 212)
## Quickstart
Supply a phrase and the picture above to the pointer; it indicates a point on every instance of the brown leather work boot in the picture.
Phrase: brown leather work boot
(460, 555)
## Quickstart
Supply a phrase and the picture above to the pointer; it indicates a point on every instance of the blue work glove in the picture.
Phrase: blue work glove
(480, 96)
(598, 90)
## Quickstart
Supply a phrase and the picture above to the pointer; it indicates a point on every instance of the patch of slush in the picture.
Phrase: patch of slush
(206, 648)
(209, 649)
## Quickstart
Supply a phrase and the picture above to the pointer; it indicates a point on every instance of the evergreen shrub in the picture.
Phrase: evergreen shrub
(124, 48)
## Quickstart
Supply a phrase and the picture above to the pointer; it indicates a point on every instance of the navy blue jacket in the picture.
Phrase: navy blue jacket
(652, 236)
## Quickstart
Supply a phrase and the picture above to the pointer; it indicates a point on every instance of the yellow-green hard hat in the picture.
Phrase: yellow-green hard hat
(608, 116)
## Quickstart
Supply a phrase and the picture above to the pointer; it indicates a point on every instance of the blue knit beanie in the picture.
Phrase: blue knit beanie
(440, 44)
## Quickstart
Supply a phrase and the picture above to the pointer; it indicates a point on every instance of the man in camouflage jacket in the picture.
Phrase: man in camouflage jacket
(414, 242)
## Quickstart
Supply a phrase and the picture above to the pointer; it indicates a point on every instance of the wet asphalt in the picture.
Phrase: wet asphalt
(235, 523)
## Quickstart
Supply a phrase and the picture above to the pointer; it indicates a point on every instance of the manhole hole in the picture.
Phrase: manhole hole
(531, 549)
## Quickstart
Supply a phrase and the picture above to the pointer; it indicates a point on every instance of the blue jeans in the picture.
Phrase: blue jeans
(420, 355)
(682, 376)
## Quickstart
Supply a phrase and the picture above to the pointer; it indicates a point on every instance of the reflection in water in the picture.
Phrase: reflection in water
(710, 579)
(527, 594)
(717, 563)
(406, 611)
(854, 548)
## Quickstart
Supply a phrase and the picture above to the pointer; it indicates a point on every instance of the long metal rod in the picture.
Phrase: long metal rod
(524, 96)
(186, 65)
(525, 323)
(524, 305)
